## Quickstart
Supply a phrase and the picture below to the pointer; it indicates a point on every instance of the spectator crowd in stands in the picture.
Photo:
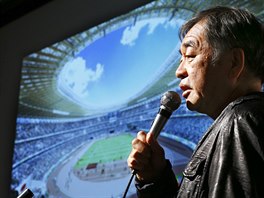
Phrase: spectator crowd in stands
(40, 143)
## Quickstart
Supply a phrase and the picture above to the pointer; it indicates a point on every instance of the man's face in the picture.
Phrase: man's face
(205, 85)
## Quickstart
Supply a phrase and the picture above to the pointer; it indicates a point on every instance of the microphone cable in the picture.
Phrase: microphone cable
(129, 183)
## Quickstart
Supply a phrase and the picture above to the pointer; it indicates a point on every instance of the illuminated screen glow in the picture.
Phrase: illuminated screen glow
(83, 99)
(135, 54)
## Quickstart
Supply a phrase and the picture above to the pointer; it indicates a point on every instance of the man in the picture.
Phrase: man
(221, 72)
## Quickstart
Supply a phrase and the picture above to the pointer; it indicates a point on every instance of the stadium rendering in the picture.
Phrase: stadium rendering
(82, 100)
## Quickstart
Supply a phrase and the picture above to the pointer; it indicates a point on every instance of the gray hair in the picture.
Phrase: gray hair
(228, 28)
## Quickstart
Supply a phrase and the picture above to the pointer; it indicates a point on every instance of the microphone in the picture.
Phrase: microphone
(170, 101)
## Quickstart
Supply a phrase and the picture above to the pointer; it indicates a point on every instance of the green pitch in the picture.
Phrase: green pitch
(106, 150)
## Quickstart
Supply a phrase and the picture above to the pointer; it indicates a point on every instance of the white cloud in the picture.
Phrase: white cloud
(76, 76)
(131, 33)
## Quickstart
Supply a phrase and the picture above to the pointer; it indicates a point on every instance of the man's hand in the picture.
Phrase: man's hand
(147, 157)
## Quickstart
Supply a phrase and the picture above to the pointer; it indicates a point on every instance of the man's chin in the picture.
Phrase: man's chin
(190, 105)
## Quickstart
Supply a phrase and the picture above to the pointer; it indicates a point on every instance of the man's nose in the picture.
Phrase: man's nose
(181, 71)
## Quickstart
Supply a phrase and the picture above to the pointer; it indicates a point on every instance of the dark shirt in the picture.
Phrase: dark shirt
(228, 160)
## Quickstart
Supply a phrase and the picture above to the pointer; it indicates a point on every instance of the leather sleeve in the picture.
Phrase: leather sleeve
(237, 167)
(165, 186)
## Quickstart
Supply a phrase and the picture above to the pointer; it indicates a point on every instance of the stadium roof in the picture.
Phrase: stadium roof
(38, 91)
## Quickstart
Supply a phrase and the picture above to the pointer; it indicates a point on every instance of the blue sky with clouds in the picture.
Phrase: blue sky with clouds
(117, 66)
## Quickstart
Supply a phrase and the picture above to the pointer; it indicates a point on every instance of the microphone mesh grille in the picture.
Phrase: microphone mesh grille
(170, 100)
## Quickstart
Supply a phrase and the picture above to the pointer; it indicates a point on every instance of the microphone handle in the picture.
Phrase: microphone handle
(159, 121)
(156, 127)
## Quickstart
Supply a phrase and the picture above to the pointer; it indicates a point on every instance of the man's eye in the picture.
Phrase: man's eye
(189, 57)
(181, 60)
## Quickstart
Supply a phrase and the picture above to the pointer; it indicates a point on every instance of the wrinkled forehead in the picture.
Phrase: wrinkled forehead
(195, 37)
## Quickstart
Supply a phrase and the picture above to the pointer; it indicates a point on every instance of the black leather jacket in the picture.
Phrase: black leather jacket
(228, 161)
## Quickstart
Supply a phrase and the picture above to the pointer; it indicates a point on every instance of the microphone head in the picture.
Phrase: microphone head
(170, 100)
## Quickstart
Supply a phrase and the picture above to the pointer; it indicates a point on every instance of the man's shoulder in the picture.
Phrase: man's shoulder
(252, 104)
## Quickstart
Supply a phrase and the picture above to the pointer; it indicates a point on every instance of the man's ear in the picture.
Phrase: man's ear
(238, 63)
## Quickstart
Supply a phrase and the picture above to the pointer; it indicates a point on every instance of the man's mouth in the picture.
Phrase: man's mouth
(186, 90)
